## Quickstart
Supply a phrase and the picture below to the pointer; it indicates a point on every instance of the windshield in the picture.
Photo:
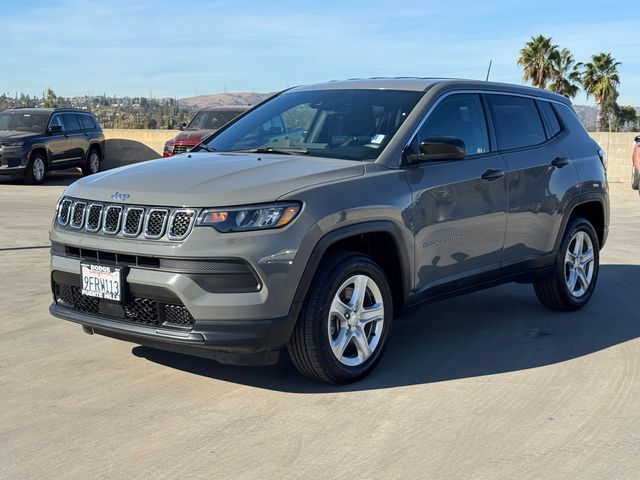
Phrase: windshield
(212, 120)
(345, 124)
(23, 121)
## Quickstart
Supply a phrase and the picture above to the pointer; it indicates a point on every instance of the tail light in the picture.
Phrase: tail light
(603, 158)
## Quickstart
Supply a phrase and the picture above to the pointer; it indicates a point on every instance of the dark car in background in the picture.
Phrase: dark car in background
(206, 121)
(34, 141)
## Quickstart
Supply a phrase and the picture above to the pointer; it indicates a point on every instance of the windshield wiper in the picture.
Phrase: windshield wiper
(204, 146)
(275, 150)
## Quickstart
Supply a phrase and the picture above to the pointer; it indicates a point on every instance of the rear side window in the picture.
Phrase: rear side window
(517, 121)
(460, 116)
(87, 122)
(552, 119)
(71, 121)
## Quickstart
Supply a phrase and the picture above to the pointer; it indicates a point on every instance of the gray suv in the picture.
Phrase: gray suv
(316, 218)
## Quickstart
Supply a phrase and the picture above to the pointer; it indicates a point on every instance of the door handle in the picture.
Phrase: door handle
(560, 162)
(492, 174)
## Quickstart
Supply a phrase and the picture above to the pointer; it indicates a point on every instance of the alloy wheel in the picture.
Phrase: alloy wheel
(579, 264)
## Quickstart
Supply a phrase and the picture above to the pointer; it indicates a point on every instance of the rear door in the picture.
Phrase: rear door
(77, 140)
(540, 175)
(460, 206)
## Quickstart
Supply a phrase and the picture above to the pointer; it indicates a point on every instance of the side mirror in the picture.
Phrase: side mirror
(53, 129)
(437, 149)
(182, 126)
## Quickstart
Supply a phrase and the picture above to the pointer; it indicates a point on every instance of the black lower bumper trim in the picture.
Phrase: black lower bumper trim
(238, 342)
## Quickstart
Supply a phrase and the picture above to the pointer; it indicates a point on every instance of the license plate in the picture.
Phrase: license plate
(101, 281)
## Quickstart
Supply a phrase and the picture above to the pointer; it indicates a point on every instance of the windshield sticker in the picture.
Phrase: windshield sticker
(377, 138)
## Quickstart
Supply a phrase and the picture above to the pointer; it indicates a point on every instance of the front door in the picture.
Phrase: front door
(58, 143)
(459, 206)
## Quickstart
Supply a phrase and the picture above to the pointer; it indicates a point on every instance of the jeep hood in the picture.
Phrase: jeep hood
(213, 179)
(189, 137)
(15, 135)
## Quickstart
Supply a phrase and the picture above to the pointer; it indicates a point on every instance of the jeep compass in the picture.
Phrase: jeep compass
(370, 196)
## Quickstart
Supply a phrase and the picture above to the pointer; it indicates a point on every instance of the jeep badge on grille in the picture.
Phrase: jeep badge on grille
(120, 196)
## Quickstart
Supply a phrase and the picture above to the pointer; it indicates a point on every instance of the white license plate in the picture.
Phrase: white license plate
(101, 281)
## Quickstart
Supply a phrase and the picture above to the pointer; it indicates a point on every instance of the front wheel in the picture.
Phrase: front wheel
(93, 162)
(36, 170)
(345, 321)
(575, 271)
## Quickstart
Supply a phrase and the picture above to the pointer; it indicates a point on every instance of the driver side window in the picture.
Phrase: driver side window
(461, 116)
(57, 120)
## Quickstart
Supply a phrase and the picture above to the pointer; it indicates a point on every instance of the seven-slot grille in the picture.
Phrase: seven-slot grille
(126, 221)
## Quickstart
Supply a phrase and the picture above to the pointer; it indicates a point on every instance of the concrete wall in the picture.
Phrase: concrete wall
(619, 147)
(131, 146)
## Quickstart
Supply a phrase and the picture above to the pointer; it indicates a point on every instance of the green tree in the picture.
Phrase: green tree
(565, 74)
(536, 58)
(50, 101)
(628, 118)
(600, 79)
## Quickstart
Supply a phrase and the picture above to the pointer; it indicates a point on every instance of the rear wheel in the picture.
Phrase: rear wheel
(93, 162)
(36, 170)
(345, 322)
(575, 272)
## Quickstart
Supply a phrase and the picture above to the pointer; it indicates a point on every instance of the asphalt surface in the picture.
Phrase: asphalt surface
(486, 386)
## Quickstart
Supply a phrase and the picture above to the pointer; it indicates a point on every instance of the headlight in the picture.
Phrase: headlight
(12, 144)
(254, 217)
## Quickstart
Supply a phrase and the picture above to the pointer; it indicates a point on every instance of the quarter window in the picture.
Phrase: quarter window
(517, 121)
(552, 119)
(460, 116)
(87, 122)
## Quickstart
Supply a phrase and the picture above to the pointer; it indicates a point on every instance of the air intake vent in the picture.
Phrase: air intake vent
(156, 223)
(181, 223)
(112, 217)
(77, 214)
(133, 220)
(94, 218)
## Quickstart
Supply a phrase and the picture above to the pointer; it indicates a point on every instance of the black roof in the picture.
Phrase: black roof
(48, 110)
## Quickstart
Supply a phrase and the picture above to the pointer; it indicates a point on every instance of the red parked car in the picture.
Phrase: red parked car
(206, 121)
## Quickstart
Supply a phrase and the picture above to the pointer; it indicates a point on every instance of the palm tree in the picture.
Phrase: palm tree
(536, 59)
(600, 79)
(565, 75)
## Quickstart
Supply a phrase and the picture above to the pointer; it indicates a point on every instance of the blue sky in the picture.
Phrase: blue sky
(175, 48)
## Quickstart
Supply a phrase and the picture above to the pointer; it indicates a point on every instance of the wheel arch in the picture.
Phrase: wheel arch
(380, 240)
(590, 207)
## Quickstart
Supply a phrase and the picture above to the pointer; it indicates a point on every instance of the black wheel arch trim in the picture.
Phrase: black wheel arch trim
(576, 202)
(323, 245)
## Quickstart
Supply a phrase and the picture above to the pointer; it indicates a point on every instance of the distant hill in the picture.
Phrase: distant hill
(225, 99)
(588, 115)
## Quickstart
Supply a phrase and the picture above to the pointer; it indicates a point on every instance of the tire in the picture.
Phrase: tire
(36, 170)
(635, 179)
(320, 325)
(556, 292)
(93, 163)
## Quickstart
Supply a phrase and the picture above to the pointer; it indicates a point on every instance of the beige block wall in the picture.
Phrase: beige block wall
(619, 147)
(132, 146)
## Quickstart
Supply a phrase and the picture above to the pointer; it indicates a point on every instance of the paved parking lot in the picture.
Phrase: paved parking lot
(490, 385)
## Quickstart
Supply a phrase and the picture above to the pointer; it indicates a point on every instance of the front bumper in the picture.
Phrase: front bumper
(242, 342)
(13, 161)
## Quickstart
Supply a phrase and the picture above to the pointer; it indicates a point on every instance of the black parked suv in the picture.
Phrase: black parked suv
(34, 141)
(317, 217)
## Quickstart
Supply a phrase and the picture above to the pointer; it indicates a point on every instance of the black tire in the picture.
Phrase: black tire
(553, 291)
(309, 346)
(36, 170)
(90, 167)
(635, 179)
